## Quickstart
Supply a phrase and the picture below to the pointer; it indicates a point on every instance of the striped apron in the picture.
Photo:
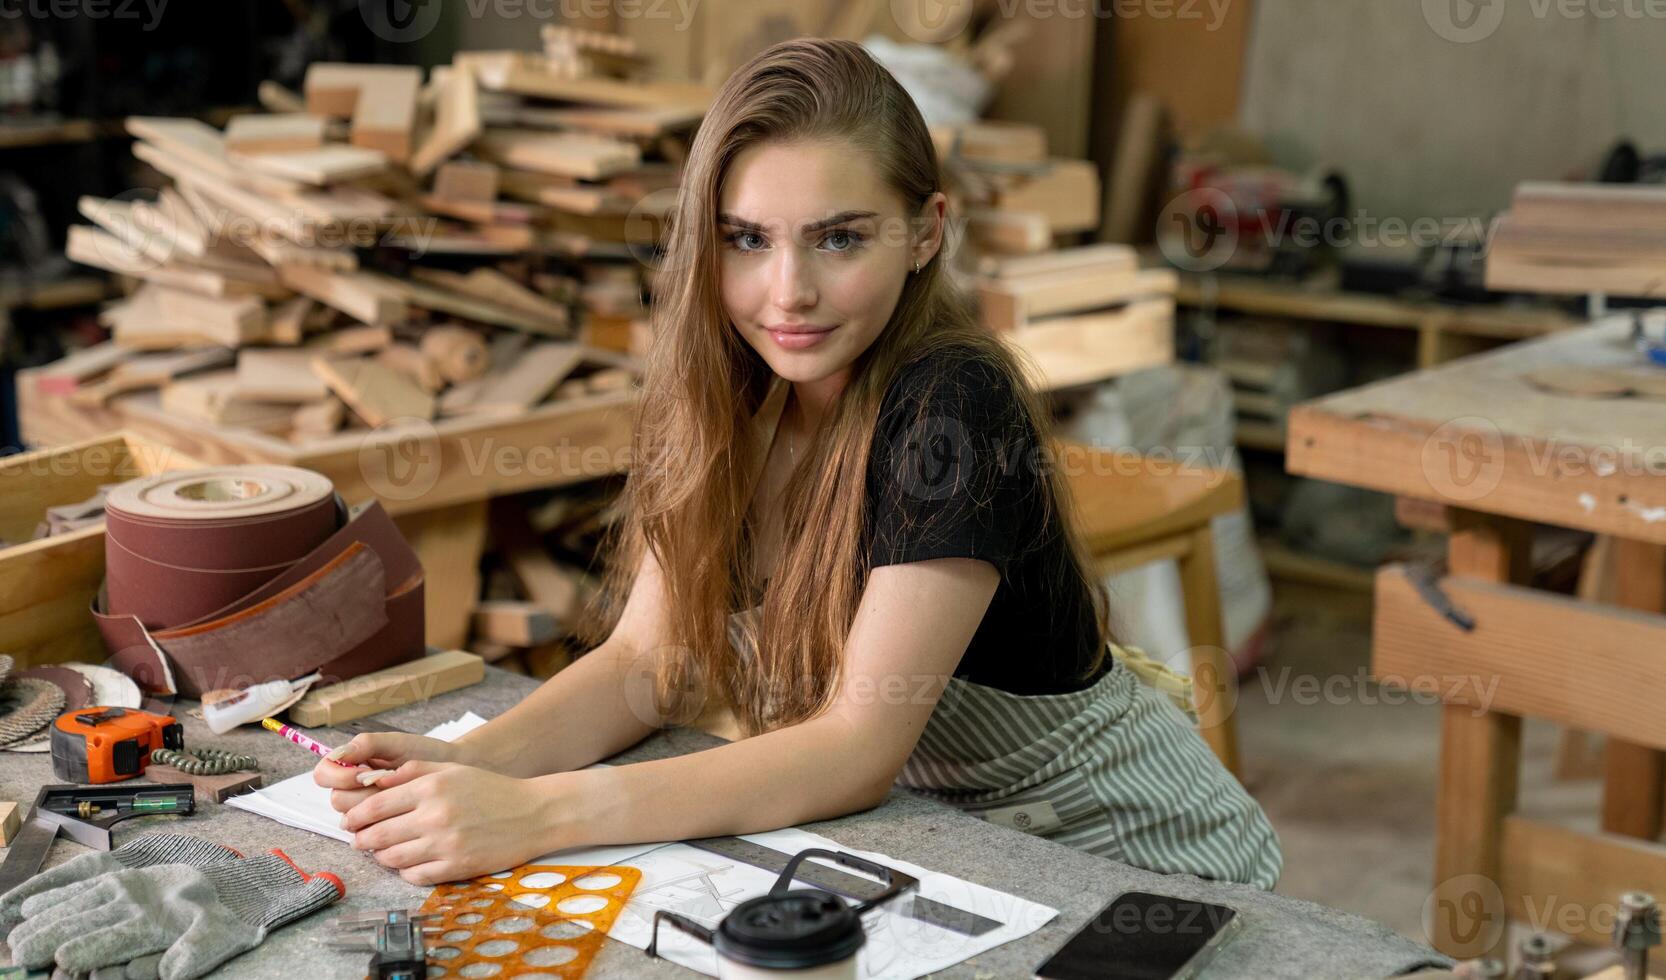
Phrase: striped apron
(1115, 769)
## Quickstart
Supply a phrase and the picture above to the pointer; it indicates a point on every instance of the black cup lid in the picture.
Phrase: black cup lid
(793, 930)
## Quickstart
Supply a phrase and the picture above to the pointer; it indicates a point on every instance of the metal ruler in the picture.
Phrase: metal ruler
(845, 884)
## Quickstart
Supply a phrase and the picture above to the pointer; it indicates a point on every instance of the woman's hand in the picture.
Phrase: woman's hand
(373, 751)
(441, 821)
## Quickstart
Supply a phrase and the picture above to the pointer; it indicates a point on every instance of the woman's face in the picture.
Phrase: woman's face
(815, 251)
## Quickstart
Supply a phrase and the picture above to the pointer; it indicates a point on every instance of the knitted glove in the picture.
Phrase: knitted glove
(197, 918)
(140, 852)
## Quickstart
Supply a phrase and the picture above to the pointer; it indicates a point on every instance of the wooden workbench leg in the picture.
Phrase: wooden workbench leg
(1213, 673)
(1634, 777)
(1480, 756)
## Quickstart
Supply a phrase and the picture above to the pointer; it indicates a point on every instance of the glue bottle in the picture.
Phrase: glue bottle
(225, 710)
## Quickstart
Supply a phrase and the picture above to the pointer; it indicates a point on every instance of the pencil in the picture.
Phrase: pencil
(303, 741)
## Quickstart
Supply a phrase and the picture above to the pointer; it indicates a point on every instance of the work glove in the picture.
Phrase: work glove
(197, 918)
(140, 852)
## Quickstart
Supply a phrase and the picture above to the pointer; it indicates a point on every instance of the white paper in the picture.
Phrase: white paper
(299, 802)
(706, 887)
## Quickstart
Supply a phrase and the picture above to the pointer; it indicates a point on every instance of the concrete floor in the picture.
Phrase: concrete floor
(1349, 781)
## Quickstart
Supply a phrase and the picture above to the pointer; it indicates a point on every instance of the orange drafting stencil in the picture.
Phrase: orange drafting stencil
(545, 920)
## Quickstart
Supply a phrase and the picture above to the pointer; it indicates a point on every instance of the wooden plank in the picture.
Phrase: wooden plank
(230, 321)
(1559, 879)
(212, 399)
(448, 540)
(582, 156)
(213, 789)
(1009, 304)
(528, 379)
(279, 376)
(358, 294)
(283, 132)
(1068, 351)
(423, 295)
(1617, 207)
(322, 166)
(456, 120)
(1214, 676)
(515, 624)
(466, 180)
(1532, 653)
(148, 320)
(192, 147)
(1009, 232)
(381, 99)
(1066, 194)
(411, 682)
(101, 250)
(524, 74)
(1084, 260)
(376, 393)
(78, 367)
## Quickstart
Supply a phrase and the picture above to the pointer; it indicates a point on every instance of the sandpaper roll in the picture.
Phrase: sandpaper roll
(180, 545)
(229, 576)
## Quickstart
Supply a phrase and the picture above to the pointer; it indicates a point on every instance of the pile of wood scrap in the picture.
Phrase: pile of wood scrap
(387, 246)
(1080, 315)
(1017, 199)
(1572, 239)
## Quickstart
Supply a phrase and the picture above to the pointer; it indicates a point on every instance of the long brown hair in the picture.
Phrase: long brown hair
(695, 450)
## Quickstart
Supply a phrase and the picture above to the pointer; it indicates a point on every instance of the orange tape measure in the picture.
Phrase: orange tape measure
(107, 745)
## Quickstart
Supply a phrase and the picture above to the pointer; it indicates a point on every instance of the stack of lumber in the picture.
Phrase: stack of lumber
(1572, 239)
(1016, 197)
(387, 246)
(1081, 315)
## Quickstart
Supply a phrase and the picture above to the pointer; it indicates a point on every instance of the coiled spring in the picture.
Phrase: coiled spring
(204, 762)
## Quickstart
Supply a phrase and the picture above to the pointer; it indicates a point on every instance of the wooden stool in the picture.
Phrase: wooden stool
(1131, 510)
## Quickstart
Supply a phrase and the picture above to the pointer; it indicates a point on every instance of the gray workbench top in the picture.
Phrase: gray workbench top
(1281, 936)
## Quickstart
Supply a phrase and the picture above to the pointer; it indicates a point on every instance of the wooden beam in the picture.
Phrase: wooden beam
(381, 100)
(357, 294)
(1567, 881)
(1635, 775)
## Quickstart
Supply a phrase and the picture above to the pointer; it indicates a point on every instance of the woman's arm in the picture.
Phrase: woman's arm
(434, 821)
(910, 631)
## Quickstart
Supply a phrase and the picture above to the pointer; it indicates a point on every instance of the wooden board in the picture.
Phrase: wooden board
(1066, 194)
(448, 541)
(586, 157)
(325, 165)
(528, 379)
(523, 74)
(407, 683)
(357, 294)
(214, 789)
(1011, 304)
(279, 376)
(376, 393)
(380, 99)
(456, 121)
(1065, 352)
(283, 132)
(466, 180)
(515, 624)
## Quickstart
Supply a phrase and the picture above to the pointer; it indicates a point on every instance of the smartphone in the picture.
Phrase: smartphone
(1141, 936)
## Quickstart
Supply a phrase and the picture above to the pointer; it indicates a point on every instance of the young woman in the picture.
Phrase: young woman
(839, 529)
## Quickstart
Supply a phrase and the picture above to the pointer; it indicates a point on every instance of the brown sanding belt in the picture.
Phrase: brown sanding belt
(233, 575)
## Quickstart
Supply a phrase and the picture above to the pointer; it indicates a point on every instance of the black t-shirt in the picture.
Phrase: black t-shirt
(956, 472)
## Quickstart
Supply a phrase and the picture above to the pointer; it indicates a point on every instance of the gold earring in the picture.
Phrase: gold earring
(916, 266)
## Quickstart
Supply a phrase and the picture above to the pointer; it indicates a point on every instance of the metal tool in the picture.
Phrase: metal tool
(396, 939)
(1636, 931)
(846, 885)
(1427, 584)
(1537, 958)
(358, 726)
(84, 814)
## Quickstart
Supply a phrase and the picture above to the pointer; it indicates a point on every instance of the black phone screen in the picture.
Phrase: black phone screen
(1141, 936)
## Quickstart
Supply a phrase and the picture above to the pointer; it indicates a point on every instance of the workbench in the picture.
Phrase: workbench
(1475, 450)
(1282, 937)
